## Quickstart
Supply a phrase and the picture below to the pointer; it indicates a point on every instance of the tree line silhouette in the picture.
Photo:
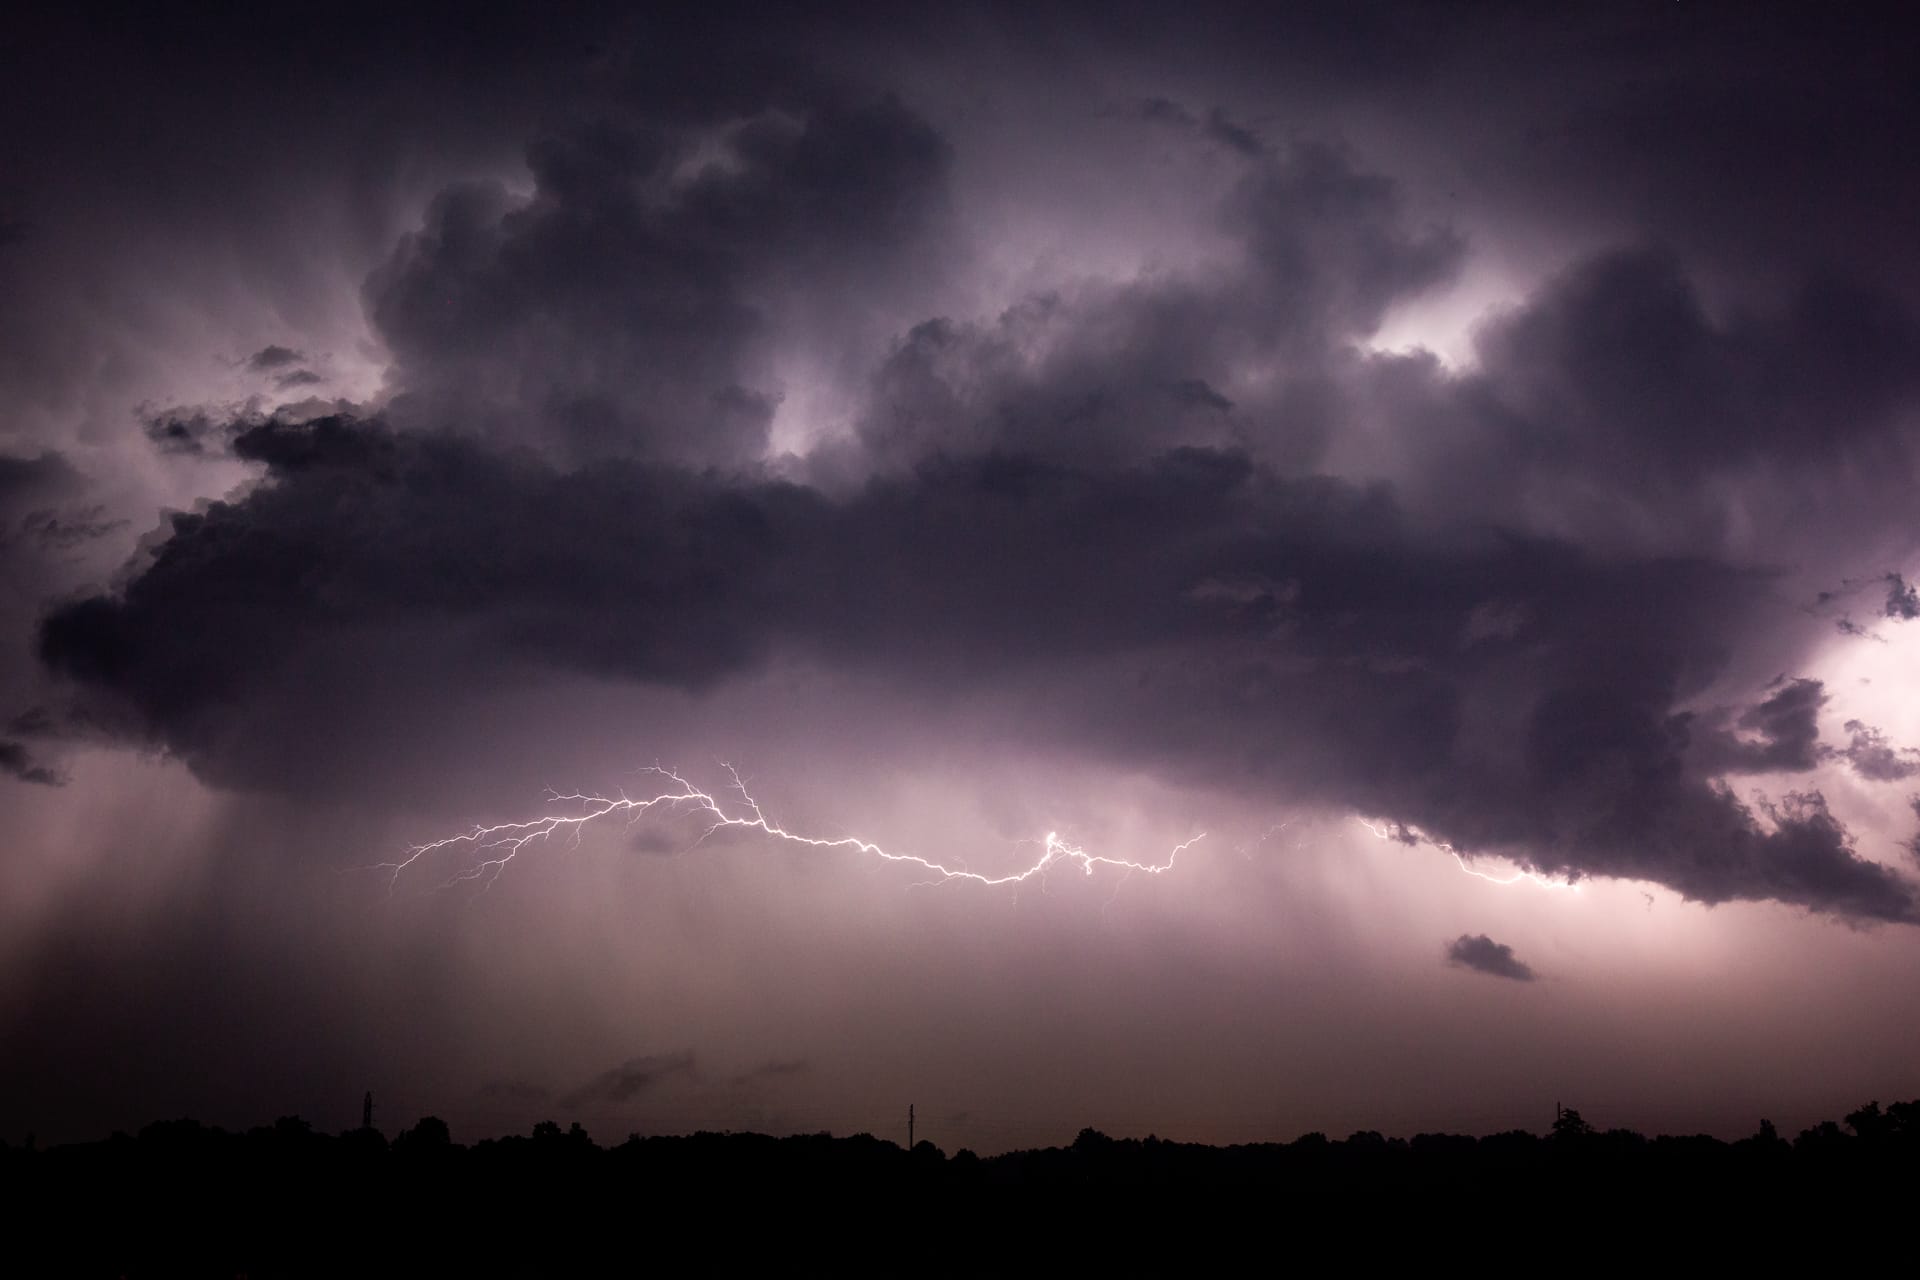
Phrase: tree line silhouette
(284, 1198)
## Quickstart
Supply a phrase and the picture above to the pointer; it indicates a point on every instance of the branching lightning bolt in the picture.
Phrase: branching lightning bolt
(496, 846)
(1409, 835)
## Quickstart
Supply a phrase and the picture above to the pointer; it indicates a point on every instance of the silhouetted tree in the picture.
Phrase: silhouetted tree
(1825, 1136)
(1092, 1141)
(1869, 1123)
(1569, 1127)
(429, 1133)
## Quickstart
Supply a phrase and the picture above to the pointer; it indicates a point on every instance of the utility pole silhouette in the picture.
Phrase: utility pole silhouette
(909, 1126)
(366, 1111)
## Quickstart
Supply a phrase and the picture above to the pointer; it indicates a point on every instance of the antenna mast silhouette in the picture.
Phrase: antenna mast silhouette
(366, 1111)
(909, 1126)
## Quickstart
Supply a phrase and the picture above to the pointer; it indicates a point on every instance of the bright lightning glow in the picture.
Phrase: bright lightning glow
(496, 846)
(1409, 835)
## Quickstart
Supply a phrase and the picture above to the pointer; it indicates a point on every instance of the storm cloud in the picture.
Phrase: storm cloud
(1196, 612)
(1088, 497)
(15, 759)
(1780, 735)
(1482, 954)
(623, 306)
(1085, 497)
(629, 1079)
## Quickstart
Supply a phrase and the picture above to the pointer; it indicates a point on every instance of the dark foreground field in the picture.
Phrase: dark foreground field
(182, 1198)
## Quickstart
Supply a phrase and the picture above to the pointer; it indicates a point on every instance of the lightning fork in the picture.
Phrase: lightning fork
(499, 844)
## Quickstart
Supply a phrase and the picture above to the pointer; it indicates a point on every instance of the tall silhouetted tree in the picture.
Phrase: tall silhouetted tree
(1569, 1127)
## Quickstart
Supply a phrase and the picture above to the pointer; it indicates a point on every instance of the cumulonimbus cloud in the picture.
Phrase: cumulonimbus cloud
(1214, 531)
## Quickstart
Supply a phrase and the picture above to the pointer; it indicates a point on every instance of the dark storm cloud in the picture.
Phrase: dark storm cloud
(1900, 603)
(41, 509)
(393, 529)
(16, 761)
(1903, 599)
(177, 433)
(1125, 370)
(22, 479)
(628, 1080)
(195, 432)
(274, 358)
(1215, 125)
(1619, 362)
(1333, 245)
(1784, 729)
(1874, 758)
(1782, 735)
(1229, 133)
(623, 307)
(1268, 632)
(1166, 111)
(1482, 954)
(55, 530)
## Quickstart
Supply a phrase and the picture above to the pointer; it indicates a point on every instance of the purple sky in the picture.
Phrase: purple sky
(1457, 462)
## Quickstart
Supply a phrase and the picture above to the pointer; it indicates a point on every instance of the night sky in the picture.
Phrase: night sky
(1452, 464)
